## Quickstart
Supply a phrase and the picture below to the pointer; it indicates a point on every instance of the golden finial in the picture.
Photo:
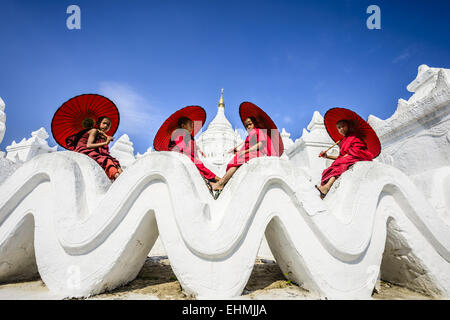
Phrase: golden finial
(221, 102)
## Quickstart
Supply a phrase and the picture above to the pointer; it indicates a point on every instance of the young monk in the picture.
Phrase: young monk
(352, 150)
(94, 142)
(182, 141)
(257, 144)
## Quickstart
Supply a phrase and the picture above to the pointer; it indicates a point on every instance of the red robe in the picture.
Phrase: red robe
(254, 136)
(185, 143)
(100, 155)
(355, 149)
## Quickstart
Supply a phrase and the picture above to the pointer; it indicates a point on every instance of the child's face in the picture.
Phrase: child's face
(189, 126)
(342, 127)
(248, 124)
(105, 125)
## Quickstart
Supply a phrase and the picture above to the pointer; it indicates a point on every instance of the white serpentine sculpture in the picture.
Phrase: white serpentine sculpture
(60, 216)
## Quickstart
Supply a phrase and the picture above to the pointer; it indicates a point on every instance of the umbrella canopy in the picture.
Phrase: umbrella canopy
(248, 109)
(357, 124)
(196, 113)
(74, 115)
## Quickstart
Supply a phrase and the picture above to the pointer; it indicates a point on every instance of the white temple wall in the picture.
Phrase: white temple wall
(7, 167)
(416, 138)
(2, 120)
(424, 148)
(26, 149)
(123, 151)
(305, 150)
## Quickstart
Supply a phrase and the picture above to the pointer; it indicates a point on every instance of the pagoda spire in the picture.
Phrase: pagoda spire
(221, 102)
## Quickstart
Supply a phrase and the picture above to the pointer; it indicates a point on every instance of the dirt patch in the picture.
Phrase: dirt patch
(389, 291)
(156, 280)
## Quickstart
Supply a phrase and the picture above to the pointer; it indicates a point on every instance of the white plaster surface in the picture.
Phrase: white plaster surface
(123, 151)
(7, 167)
(26, 149)
(416, 138)
(217, 140)
(149, 150)
(61, 217)
(2, 120)
(90, 236)
(305, 150)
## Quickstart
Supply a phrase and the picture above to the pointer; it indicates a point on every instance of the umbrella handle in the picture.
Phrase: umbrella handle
(332, 146)
(240, 144)
(104, 134)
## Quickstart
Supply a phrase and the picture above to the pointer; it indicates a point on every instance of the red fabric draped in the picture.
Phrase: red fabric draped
(254, 136)
(111, 169)
(184, 143)
(352, 150)
(100, 155)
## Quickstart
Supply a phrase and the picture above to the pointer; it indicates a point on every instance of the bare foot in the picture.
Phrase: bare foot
(323, 189)
(216, 186)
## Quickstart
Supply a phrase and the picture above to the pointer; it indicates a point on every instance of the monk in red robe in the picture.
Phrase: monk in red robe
(93, 142)
(183, 142)
(352, 149)
(257, 144)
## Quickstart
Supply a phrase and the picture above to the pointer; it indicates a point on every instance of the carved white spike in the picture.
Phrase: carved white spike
(402, 105)
(304, 133)
(374, 121)
(442, 81)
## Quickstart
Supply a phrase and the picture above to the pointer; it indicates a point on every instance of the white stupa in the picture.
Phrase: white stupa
(123, 151)
(217, 140)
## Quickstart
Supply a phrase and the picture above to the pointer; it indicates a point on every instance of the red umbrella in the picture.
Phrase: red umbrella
(357, 124)
(196, 113)
(71, 117)
(248, 109)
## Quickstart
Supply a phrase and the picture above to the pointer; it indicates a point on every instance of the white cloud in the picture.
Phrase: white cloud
(405, 54)
(401, 57)
(287, 119)
(137, 115)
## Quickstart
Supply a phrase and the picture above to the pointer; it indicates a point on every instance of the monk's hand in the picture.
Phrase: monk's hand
(323, 154)
(109, 139)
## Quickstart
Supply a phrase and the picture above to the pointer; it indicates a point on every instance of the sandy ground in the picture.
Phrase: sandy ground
(156, 281)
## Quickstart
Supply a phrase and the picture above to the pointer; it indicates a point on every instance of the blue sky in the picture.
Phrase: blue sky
(154, 57)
